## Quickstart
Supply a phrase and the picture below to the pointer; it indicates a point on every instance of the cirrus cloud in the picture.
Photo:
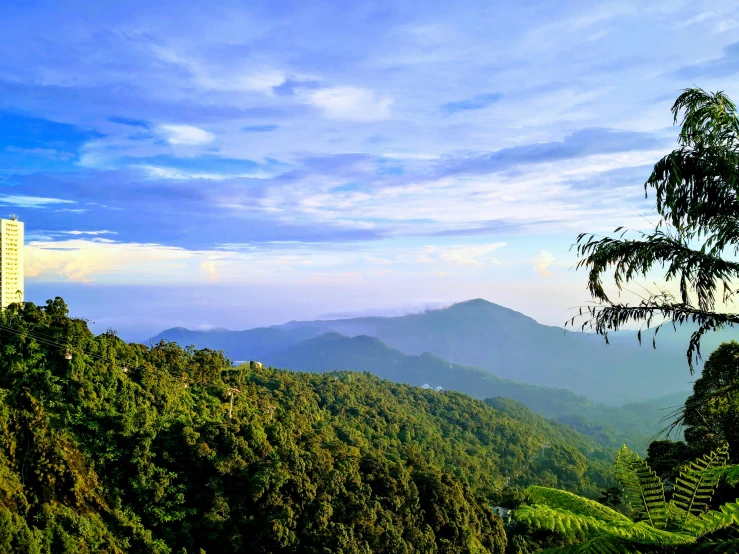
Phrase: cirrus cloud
(186, 134)
(349, 103)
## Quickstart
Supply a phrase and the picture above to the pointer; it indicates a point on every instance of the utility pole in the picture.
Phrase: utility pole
(231, 393)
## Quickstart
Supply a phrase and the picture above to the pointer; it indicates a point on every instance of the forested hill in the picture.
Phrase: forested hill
(609, 425)
(493, 338)
(124, 448)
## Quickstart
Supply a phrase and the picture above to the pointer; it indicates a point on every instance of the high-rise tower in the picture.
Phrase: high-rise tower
(12, 286)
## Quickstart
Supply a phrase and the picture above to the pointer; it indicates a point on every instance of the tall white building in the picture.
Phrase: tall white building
(12, 285)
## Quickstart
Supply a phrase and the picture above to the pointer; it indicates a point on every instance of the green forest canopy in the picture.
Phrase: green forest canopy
(131, 448)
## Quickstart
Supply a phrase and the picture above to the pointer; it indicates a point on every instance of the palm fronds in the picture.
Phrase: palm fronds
(696, 198)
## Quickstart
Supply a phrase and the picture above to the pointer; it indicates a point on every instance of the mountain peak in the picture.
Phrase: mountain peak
(476, 302)
(482, 306)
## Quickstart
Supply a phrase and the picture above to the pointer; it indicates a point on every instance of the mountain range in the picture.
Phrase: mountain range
(636, 423)
(494, 339)
(618, 393)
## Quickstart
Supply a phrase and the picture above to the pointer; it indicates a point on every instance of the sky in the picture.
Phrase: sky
(238, 164)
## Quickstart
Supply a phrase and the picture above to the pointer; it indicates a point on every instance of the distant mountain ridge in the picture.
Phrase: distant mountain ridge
(608, 425)
(493, 338)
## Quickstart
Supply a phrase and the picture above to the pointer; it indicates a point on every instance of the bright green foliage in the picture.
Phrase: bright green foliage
(598, 533)
(126, 448)
(730, 473)
(574, 503)
(713, 521)
(655, 526)
(642, 488)
(696, 484)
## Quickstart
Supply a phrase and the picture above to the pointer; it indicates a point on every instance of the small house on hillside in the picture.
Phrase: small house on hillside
(505, 514)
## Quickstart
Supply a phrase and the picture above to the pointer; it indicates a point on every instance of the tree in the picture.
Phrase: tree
(610, 497)
(711, 413)
(654, 526)
(696, 198)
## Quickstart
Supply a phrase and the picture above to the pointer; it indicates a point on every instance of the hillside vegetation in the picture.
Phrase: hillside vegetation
(495, 339)
(610, 426)
(124, 448)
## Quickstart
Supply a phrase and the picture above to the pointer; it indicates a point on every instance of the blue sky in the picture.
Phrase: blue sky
(233, 164)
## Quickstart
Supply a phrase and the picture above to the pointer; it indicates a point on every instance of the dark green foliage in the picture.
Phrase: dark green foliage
(709, 420)
(711, 413)
(666, 457)
(611, 497)
(125, 448)
(696, 198)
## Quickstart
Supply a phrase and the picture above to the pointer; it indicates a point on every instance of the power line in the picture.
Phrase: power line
(44, 339)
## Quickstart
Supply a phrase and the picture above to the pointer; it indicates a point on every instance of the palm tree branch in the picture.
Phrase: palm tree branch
(696, 269)
(612, 317)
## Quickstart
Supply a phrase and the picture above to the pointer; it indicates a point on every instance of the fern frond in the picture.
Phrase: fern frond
(645, 534)
(730, 546)
(684, 520)
(715, 520)
(570, 525)
(730, 472)
(563, 500)
(642, 487)
(578, 527)
(597, 545)
(697, 482)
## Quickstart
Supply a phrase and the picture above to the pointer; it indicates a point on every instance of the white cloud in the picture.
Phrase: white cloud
(209, 267)
(349, 103)
(186, 134)
(32, 201)
(223, 77)
(263, 81)
(544, 198)
(85, 260)
(410, 156)
(88, 232)
(260, 81)
(542, 263)
(460, 255)
(98, 259)
(156, 172)
(43, 152)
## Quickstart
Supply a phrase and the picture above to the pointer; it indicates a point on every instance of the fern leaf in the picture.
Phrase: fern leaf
(697, 482)
(731, 472)
(715, 520)
(729, 546)
(564, 500)
(577, 527)
(598, 545)
(643, 533)
(642, 488)
(570, 525)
